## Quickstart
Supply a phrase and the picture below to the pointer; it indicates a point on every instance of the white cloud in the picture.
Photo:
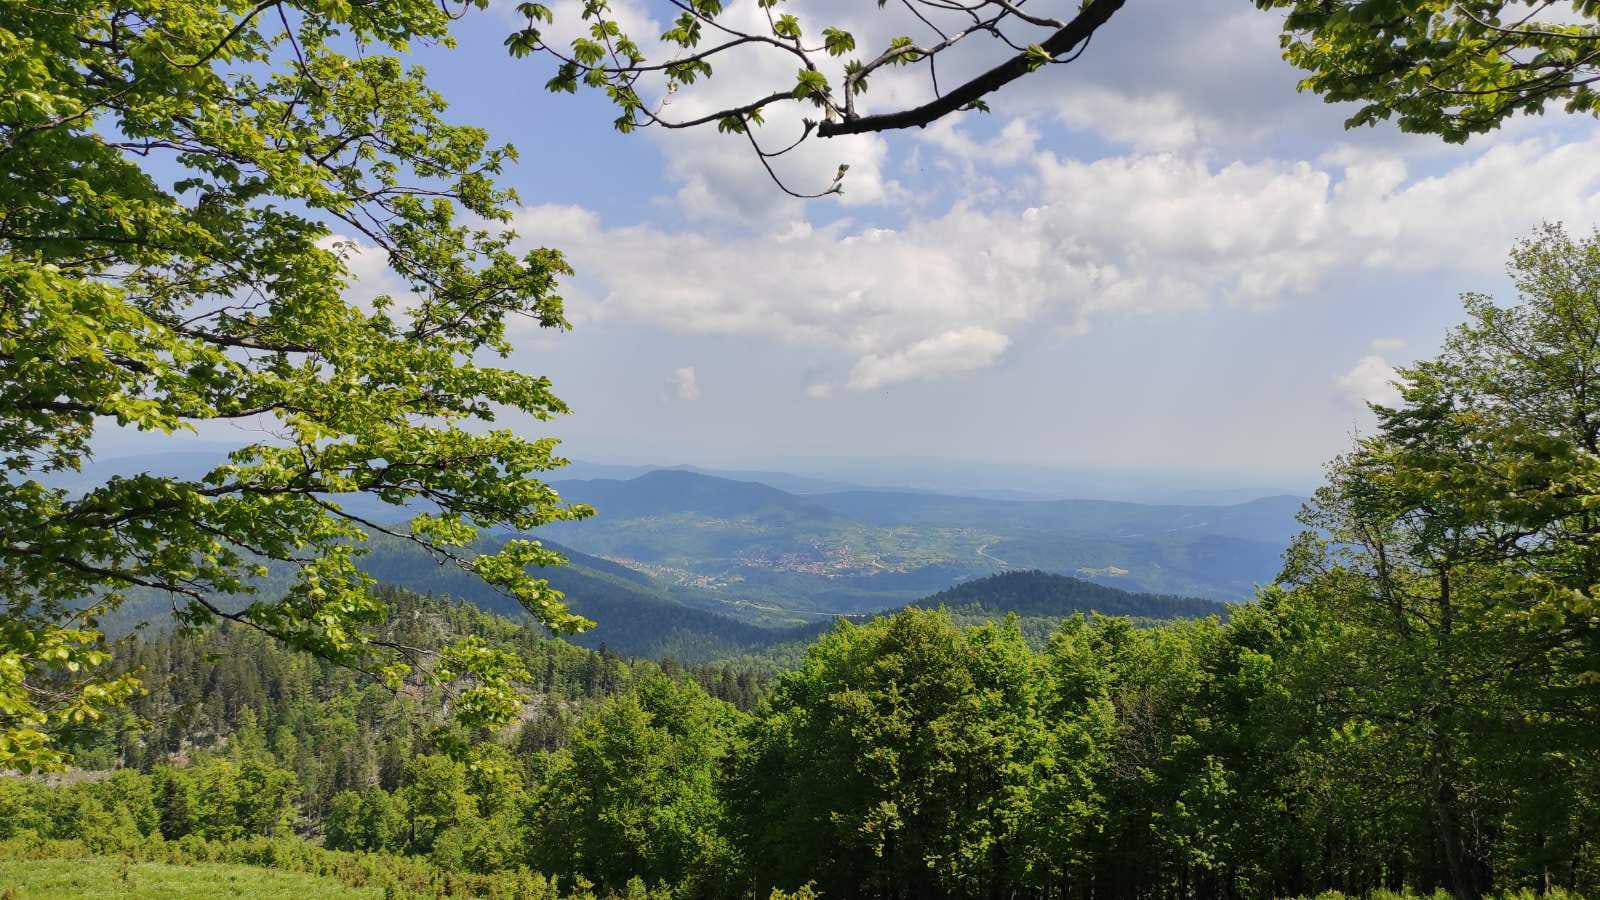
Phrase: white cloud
(1388, 343)
(819, 391)
(370, 275)
(685, 383)
(1217, 83)
(1013, 144)
(1151, 122)
(1370, 380)
(950, 353)
(1124, 235)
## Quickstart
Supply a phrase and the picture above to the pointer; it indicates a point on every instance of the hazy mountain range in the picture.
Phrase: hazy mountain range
(690, 564)
(861, 550)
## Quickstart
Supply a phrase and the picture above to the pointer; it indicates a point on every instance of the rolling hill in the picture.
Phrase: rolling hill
(699, 567)
(1044, 594)
(861, 551)
(1039, 601)
(635, 615)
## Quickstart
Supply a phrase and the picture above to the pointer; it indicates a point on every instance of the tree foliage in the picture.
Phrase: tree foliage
(1454, 68)
(1456, 550)
(184, 185)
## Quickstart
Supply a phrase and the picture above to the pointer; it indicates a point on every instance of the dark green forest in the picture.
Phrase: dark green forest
(1264, 755)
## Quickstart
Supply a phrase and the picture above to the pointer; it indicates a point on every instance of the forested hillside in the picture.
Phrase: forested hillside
(909, 755)
(641, 617)
(635, 614)
(335, 728)
(1044, 594)
(865, 551)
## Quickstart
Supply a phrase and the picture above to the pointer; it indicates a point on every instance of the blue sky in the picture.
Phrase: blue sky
(1161, 258)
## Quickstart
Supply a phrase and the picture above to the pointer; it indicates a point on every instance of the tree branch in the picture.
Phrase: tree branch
(1084, 25)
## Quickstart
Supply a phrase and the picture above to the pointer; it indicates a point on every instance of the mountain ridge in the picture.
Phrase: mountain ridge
(860, 551)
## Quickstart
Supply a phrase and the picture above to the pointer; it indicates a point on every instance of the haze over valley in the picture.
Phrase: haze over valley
(682, 563)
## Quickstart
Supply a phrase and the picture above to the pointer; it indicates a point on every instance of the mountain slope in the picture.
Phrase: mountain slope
(1039, 600)
(1044, 594)
(634, 615)
(861, 551)
(665, 491)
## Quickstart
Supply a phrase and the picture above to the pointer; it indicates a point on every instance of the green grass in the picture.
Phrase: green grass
(101, 877)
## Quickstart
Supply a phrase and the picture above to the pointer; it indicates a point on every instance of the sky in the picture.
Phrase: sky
(1159, 259)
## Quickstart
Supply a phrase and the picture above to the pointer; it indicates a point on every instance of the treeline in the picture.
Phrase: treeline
(911, 757)
(233, 689)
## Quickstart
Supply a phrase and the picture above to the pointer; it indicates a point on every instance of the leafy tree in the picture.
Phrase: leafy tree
(903, 757)
(635, 793)
(371, 820)
(343, 823)
(1455, 562)
(266, 795)
(1454, 68)
(435, 800)
(184, 184)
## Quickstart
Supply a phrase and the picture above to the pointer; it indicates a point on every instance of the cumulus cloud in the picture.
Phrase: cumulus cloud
(1013, 144)
(1123, 235)
(1217, 81)
(1370, 380)
(685, 383)
(1152, 122)
(950, 353)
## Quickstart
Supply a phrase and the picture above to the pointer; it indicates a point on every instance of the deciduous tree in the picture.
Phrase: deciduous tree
(1454, 68)
(183, 186)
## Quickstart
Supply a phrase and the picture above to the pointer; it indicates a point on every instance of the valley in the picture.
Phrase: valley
(859, 551)
(701, 568)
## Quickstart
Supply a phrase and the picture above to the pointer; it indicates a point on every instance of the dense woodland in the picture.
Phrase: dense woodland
(1268, 755)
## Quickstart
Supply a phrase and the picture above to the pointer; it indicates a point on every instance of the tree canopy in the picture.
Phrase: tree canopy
(1454, 68)
(1454, 557)
(185, 184)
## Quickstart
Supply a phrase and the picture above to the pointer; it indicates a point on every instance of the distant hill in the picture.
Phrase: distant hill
(635, 615)
(1046, 594)
(1039, 600)
(638, 616)
(860, 551)
(1269, 519)
(666, 491)
(696, 565)
(578, 470)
